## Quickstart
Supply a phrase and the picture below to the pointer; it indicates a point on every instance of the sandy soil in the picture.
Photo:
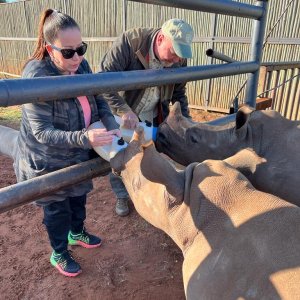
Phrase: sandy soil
(135, 261)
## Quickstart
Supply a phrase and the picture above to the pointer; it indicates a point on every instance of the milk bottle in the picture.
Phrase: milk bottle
(149, 130)
(107, 152)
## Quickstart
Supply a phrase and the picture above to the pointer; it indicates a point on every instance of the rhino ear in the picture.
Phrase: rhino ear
(175, 110)
(243, 116)
(246, 161)
(241, 121)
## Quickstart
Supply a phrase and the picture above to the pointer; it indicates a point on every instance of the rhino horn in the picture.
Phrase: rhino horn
(175, 109)
(138, 135)
(245, 161)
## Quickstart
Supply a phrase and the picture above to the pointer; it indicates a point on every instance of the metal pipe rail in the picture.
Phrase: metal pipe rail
(283, 65)
(230, 8)
(222, 121)
(258, 33)
(33, 189)
(257, 12)
(218, 55)
(21, 91)
(31, 90)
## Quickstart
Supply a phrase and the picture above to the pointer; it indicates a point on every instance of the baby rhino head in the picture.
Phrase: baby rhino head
(134, 149)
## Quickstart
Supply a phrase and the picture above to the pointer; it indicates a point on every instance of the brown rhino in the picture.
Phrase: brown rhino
(266, 132)
(237, 242)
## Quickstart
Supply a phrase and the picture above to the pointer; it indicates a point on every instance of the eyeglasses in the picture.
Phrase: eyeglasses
(69, 53)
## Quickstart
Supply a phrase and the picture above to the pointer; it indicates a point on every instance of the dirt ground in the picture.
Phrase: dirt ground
(135, 261)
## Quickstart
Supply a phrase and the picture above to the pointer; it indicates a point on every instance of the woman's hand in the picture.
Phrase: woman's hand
(101, 137)
(130, 120)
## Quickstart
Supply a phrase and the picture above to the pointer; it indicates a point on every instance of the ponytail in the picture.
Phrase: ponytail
(40, 51)
(51, 22)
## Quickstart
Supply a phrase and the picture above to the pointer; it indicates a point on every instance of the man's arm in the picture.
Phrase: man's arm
(117, 59)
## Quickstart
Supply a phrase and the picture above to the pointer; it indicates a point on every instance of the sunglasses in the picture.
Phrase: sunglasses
(69, 53)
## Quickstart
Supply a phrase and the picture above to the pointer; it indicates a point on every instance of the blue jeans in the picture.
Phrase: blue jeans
(61, 217)
(118, 186)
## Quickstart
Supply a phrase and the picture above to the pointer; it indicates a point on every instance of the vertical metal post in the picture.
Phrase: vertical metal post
(26, 26)
(124, 25)
(213, 25)
(256, 53)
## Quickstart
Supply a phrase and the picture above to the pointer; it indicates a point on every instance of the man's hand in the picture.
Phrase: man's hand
(130, 120)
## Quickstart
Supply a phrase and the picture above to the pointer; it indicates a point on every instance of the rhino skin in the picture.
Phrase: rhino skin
(266, 132)
(237, 242)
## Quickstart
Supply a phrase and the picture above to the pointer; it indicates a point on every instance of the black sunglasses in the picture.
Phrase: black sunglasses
(69, 53)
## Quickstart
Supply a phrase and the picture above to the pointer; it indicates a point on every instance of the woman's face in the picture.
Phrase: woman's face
(69, 38)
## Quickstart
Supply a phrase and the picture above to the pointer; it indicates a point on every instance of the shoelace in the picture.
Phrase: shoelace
(64, 259)
(83, 236)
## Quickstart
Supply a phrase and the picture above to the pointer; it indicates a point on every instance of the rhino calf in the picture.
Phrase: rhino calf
(237, 242)
(266, 132)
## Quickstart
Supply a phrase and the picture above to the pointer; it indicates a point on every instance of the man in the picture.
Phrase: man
(147, 48)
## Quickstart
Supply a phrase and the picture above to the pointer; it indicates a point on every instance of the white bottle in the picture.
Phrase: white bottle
(149, 130)
(107, 152)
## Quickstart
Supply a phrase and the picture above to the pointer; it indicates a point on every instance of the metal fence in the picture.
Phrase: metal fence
(18, 91)
(285, 98)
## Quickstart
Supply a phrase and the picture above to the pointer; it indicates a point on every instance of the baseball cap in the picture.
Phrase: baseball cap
(181, 34)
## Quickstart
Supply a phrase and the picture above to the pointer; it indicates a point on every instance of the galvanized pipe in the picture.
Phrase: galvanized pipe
(31, 90)
(213, 30)
(230, 8)
(256, 54)
(218, 55)
(282, 64)
(222, 121)
(124, 15)
(33, 189)
(8, 142)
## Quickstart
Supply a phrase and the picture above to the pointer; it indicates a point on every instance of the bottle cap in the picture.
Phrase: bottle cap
(121, 141)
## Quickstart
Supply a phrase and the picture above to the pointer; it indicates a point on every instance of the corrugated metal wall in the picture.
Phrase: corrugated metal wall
(102, 20)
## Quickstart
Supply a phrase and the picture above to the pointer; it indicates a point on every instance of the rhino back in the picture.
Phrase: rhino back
(247, 243)
(278, 141)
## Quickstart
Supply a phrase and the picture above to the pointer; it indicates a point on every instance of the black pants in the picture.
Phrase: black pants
(61, 217)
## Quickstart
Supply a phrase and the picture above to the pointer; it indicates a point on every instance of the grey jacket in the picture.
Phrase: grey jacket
(53, 135)
(130, 52)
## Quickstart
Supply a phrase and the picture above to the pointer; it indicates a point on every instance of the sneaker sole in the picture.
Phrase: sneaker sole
(84, 245)
(61, 271)
(122, 213)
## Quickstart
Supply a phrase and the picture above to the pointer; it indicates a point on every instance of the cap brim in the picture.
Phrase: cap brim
(182, 50)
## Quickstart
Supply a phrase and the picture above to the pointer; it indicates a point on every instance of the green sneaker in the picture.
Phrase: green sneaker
(84, 239)
(65, 263)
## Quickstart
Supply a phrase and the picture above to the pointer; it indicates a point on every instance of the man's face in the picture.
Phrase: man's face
(165, 51)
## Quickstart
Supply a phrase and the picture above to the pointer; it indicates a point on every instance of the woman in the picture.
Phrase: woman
(53, 135)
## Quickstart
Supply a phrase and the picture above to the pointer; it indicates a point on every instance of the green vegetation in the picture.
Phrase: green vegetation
(10, 115)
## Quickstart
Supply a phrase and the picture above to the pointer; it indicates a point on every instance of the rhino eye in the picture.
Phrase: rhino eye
(161, 135)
